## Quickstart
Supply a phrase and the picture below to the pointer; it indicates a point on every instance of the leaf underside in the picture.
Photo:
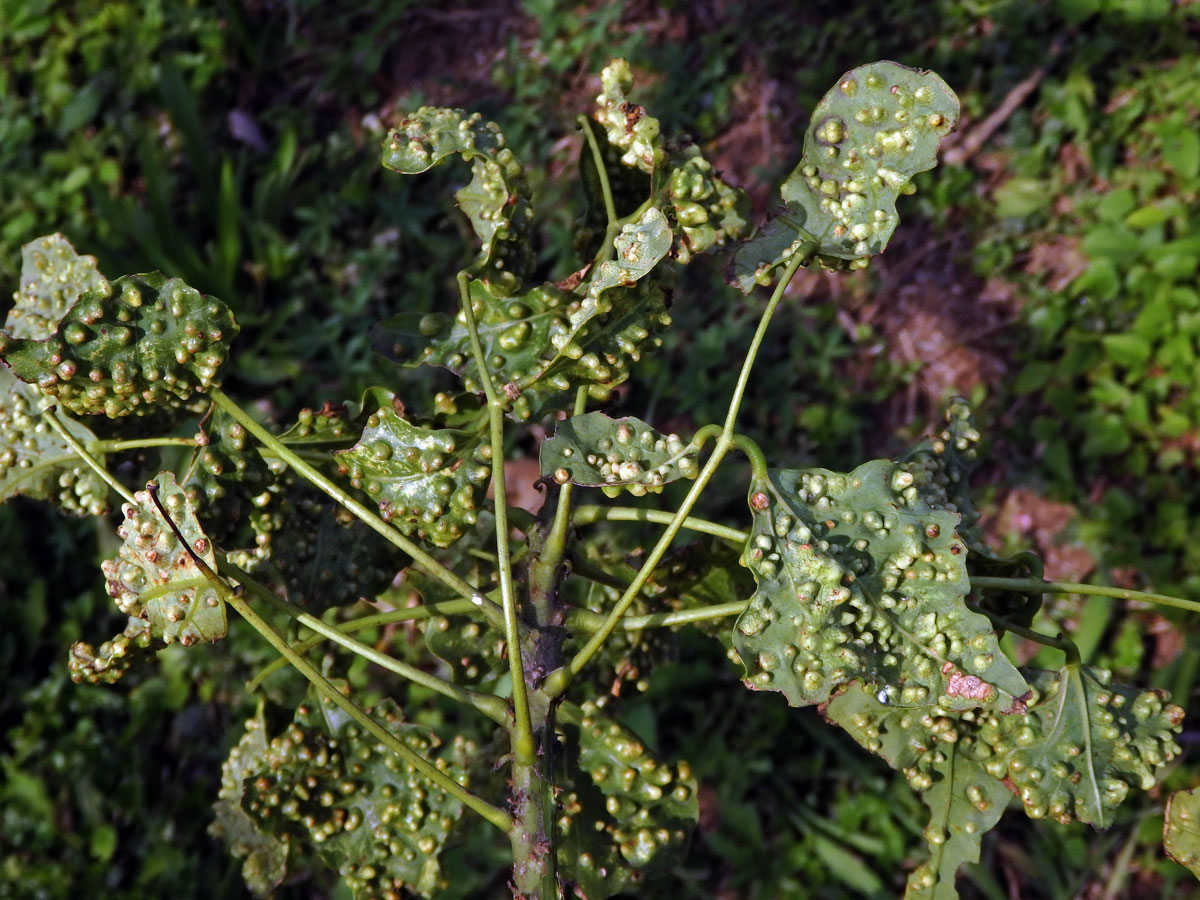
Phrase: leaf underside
(868, 136)
(1181, 829)
(860, 579)
(615, 454)
(53, 276)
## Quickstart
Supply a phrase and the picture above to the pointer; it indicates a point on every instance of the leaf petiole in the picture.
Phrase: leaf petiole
(51, 416)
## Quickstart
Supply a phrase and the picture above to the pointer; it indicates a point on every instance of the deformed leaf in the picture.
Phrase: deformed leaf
(596, 451)
(625, 815)
(859, 578)
(1181, 829)
(547, 340)
(224, 472)
(427, 482)
(154, 577)
(114, 658)
(497, 201)
(876, 128)
(368, 814)
(1084, 743)
(944, 763)
(628, 127)
(36, 462)
(151, 342)
(265, 855)
(53, 276)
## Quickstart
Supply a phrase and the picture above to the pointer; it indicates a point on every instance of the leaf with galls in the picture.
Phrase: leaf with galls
(53, 276)
(859, 578)
(428, 482)
(623, 814)
(868, 136)
(615, 454)
(149, 343)
(1181, 829)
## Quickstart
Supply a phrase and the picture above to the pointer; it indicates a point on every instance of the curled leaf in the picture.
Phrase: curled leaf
(594, 450)
(152, 342)
(497, 199)
(876, 128)
(859, 578)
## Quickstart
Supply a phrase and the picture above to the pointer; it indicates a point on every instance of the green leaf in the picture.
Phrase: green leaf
(155, 578)
(429, 483)
(497, 201)
(1083, 744)
(1181, 829)
(596, 451)
(868, 136)
(369, 815)
(1128, 350)
(860, 578)
(265, 855)
(943, 764)
(224, 473)
(53, 276)
(625, 814)
(114, 658)
(36, 462)
(548, 340)
(152, 342)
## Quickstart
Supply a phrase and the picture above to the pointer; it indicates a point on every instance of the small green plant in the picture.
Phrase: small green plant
(873, 596)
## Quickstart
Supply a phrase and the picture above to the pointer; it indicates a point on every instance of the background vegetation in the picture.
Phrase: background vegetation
(1048, 270)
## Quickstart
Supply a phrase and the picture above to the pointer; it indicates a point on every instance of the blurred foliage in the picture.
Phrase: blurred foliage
(234, 144)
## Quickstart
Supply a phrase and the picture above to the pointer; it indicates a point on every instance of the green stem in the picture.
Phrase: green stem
(1037, 586)
(409, 614)
(421, 558)
(51, 417)
(610, 208)
(1062, 642)
(496, 816)
(758, 460)
(558, 680)
(492, 707)
(586, 620)
(118, 446)
(586, 515)
(523, 745)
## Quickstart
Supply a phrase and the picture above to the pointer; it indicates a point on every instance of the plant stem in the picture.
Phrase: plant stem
(1062, 642)
(610, 209)
(409, 614)
(586, 515)
(558, 680)
(758, 460)
(586, 620)
(51, 417)
(1037, 586)
(492, 707)
(496, 816)
(118, 446)
(421, 558)
(523, 746)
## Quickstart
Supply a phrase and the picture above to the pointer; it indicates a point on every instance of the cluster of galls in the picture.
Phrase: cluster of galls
(626, 124)
(708, 211)
(36, 462)
(635, 458)
(368, 814)
(854, 585)
(53, 276)
(316, 548)
(429, 483)
(114, 658)
(649, 810)
(154, 576)
(153, 343)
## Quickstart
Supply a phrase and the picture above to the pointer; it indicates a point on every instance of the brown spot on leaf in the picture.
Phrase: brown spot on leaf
(960, 684)
(759, 501)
